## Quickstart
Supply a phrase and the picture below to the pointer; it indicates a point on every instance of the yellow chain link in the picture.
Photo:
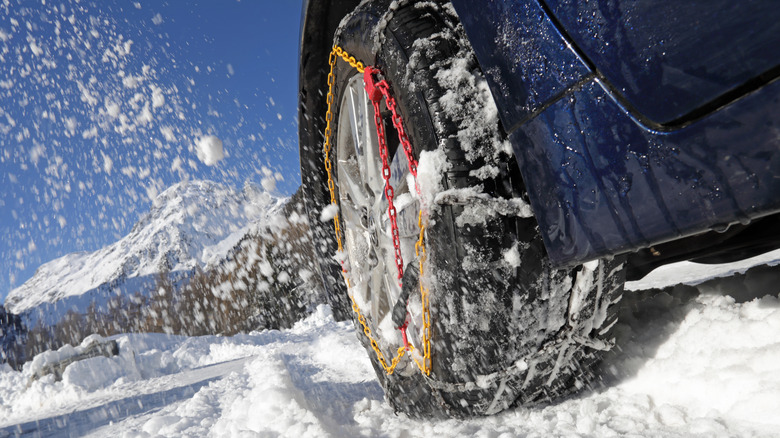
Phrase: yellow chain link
(425, 366)
(419, 249)
(326, 150)
(350, 59)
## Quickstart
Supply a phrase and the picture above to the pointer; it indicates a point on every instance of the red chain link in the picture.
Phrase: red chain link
(384, 87)
(376, 99)
(376, 90)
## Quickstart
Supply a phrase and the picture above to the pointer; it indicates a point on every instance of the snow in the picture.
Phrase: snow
(689, 361)
(329, 212)
(430, 167)
(474, 106)
(512, 256)
(694, 274)
(583, 284)
(210, 150)
(478, 207)
(49, 358)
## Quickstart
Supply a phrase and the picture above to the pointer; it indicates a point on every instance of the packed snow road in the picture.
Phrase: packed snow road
(690, 361)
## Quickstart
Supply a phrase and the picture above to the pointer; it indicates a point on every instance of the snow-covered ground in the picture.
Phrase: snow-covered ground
(690, 361)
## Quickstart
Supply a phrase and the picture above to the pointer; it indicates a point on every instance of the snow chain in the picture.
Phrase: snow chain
(376, 90)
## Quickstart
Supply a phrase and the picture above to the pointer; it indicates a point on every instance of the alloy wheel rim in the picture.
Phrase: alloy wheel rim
(368, 242)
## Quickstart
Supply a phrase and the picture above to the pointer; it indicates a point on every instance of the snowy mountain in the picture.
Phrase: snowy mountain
(191, 224)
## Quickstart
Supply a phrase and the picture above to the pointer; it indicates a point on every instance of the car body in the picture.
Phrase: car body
(646, 128)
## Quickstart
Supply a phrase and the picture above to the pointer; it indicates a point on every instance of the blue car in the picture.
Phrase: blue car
(482, 177)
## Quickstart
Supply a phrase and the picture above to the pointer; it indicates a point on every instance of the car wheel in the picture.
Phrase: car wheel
(507, 328)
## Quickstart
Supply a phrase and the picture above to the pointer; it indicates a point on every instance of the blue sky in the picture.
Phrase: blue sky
(102, 102)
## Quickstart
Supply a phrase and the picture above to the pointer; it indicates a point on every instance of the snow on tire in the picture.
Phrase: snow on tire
(507, 328)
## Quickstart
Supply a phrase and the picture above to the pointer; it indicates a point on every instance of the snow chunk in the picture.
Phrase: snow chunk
(478, 207)
(168, 134)
(108, 163)
(209, 150)
(269, 184)
(329, 212)
(112, 109)
(36, 49)
(71, 124)
(93, 373)
(430, 168)
(158, 99)
(131, 81)
(582, 286)
(512, 256)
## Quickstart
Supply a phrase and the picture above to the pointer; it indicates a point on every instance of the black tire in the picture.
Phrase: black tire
(506, 330)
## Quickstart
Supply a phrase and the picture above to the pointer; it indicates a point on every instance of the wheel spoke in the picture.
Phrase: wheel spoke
(398, 171)
(352, 183)
(373, 160)
(377, 285)
(356, 119)
(407, 211)
(352, 215)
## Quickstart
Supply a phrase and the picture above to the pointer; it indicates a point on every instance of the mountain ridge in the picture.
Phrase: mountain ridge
(190, 225)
